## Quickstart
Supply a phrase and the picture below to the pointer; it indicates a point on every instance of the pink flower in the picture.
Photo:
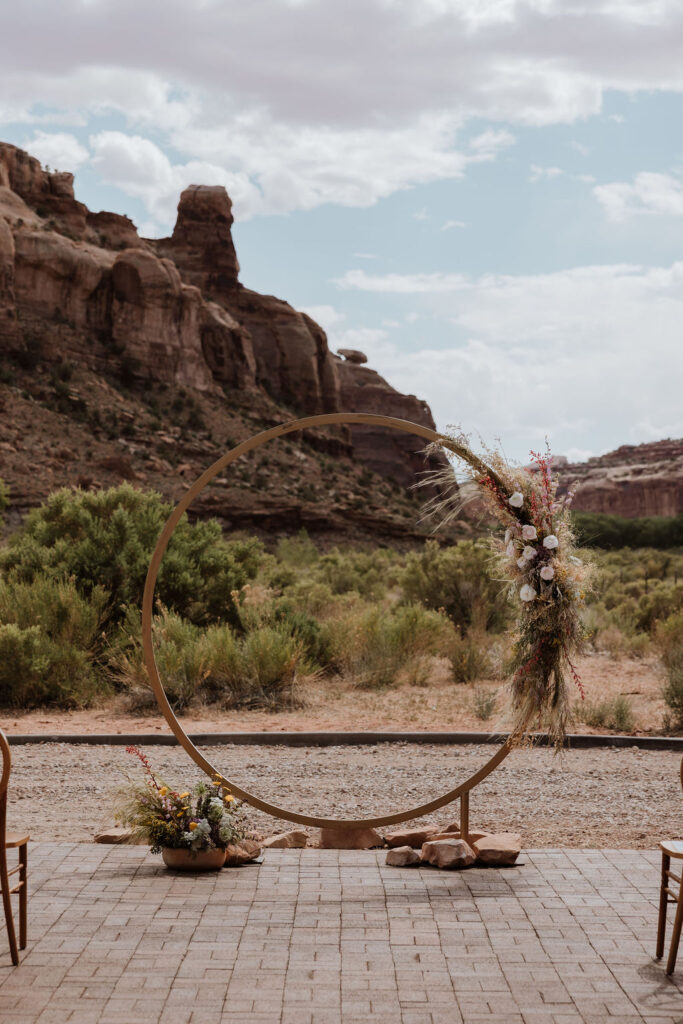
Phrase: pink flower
(529, 552)
(547, 572)
(529, 533)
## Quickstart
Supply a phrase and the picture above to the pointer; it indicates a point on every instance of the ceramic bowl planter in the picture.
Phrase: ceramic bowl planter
(191, 860)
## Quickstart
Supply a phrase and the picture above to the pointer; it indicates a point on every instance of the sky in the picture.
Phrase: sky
(484, 196)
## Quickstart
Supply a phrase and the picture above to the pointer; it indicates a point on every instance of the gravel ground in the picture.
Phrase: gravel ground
(626, 798)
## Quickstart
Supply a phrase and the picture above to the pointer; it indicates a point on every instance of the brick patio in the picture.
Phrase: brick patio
(319, 936)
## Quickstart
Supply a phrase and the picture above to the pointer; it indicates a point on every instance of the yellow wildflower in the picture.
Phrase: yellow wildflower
(183, 795)
(163, 791)
(229, 798)
(192, 826)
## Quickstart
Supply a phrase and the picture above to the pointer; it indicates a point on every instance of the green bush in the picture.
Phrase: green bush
(256, 670)
(106, 538)
(484, 703)
(375, 645)
(459, 580)
(669, 637)
(595, 529)
(50, 645)
(468, 657)
(616, 714)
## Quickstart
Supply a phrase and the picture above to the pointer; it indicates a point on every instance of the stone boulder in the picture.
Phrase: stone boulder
(297, 839)
(201, 244)
(240, 853)
(414, 837)
(402, 857)
(448, 853)
(498, 849)
(352, 355)
(117, 836)
(349, 839)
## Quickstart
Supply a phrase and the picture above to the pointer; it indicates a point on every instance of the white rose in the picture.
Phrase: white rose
(510, 549)
(551, 542)
(529, 533)
(547, 572)
(516, 499)
(527, 592)
(522, 563)
(529, 552)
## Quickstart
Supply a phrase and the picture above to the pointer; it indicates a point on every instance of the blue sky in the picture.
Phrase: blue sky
(485, 196)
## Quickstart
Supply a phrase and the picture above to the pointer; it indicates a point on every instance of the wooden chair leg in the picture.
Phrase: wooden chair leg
(661, 926)
(676, 933)
(23, 895)
(7, 904)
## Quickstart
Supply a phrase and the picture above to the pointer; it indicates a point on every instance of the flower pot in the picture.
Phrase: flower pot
(193, 860)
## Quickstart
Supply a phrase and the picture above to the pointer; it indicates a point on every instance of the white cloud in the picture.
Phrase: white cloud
(579, 147)
(421, 214)
(448, 225)
(60, 150)
(649, 193)
(539, 173)
(297, 106)
(559, 354)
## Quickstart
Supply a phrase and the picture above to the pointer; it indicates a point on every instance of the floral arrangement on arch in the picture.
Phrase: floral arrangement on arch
(203, 818)
(536, 555)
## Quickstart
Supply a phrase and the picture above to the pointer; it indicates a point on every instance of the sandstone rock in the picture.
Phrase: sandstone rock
(297, 839)
(202, 239)
(113, 231)
(352, 355)
(632, 481)
(116, 836)
(9, 334)
(448, 853)
(402, 857)
(240, 853)
(387, 452)
(49, 193)
(413, 837)
(453, 832)
(156, 320)
(500, 848)
(349, 839)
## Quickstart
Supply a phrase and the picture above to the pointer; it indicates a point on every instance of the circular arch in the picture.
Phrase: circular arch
(328, 419)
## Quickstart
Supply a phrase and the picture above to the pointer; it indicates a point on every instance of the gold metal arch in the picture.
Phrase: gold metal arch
(330, 419)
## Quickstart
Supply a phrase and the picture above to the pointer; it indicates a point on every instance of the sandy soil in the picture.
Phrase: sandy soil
(338, 705)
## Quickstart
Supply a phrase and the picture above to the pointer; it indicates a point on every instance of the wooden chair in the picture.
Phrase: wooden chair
(670, 848)
(10, 841)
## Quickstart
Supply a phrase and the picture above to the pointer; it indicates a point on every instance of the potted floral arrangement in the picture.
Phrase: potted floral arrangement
(191, 829)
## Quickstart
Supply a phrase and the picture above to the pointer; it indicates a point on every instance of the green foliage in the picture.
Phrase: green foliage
(49, 644)
(459, 580)
(468, 657)
(616, 714)
(595, 529)
(258, 669)
(106, 538)
(484, 703)
(669, 639)
(373, 646)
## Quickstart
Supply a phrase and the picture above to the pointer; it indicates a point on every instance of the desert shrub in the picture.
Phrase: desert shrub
(307, 630)
(468, 657)
(50, 644)
(105, 539)
(669, 638)
(4, 501)
(612, 641)
(616, 714)
(299, 551)
(459, 580)
(256, 670)
(375, 645)
(605, 531)
(484, 702)
(365, 573)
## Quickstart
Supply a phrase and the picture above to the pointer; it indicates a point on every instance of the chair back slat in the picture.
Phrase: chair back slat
(6, 765)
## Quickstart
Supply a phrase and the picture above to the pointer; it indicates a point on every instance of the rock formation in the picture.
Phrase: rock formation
(632, 481)
(85, 287)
